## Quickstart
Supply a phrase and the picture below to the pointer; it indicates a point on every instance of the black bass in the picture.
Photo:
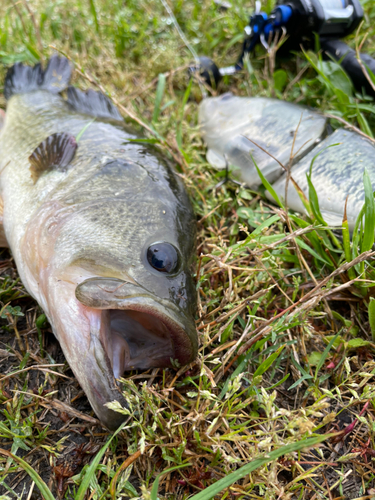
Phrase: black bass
(337, 174)
(228, 122)
(101, 230)
(231, 125)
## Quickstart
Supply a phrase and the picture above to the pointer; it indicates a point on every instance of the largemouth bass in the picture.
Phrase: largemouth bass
(228, 122)
(101, 230)
(337, 175)
(233, 127)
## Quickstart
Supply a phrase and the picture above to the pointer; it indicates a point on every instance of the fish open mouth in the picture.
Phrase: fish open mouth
(136, 331)
(139, 340)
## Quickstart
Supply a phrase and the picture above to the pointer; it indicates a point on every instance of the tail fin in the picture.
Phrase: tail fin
(22, 79)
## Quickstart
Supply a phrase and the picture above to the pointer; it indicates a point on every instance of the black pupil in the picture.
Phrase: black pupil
(163, 257)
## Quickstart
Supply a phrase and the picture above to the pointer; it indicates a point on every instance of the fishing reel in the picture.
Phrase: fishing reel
(303, 19)
(299, 22)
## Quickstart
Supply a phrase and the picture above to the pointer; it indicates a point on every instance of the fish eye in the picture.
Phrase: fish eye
(163, 257)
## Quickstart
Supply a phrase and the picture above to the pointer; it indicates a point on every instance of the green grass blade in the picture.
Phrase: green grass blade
(267, 185)
(243, 360)
(323, 357)
(43, 488)
(144, 141)
(159, 96)
(258, 231)
(179, 125)
(186, 95)
(278, 383)
(268, 362)
(33, 51)
(155, 486)
(81, 132)
(300, 380)
(358, 222)
(94, 15)
(314, 238)
(315, 65)
(369, 229)
(346, 242)
(371, 316)
(322, 257)
(267, 223)
(227, 481)
(313, 197)
(305, 202)
(363, 123)
(93, 466)
(314, 201)
(357, 234)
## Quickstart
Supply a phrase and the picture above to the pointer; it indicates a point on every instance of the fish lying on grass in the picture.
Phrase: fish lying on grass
(228, 122)
(337, 174)
(101, 230)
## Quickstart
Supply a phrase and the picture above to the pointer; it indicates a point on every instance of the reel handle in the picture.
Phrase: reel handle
(348, 60)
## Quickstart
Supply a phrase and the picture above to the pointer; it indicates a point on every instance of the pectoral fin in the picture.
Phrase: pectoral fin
(55, 152)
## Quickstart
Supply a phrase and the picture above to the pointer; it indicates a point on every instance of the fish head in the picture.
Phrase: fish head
(115, 280)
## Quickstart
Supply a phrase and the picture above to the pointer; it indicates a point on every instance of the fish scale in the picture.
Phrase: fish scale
(337, 174)
(232, 127)
(80, 216)
(229, 124)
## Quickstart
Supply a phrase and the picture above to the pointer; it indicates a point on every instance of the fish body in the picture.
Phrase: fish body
(104, 242)
(337, 175)
(229, 124)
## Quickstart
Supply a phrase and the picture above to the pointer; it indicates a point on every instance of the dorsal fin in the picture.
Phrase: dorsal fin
(21, 79)
(55, 152)
(93, 103)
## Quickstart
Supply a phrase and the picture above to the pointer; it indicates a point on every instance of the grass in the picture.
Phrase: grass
(285, 306)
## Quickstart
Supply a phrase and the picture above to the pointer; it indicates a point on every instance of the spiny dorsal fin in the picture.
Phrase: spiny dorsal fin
(55, 152)
(21, 79)
(93, 103)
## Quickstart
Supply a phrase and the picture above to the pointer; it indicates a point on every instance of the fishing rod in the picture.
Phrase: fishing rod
(299, 22)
